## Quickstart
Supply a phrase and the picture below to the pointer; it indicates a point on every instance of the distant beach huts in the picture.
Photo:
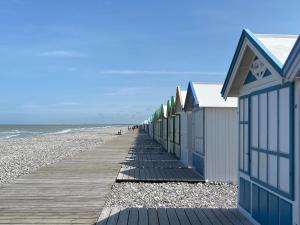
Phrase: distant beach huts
(263, 74)
(171, 124)
(179, 118)
(257, 144)
(213, 132)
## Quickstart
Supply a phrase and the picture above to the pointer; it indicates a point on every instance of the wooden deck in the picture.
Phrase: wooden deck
(171, 216)
(69, 192)
(148, 162)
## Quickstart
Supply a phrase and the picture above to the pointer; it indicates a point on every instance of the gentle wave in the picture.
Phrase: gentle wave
(20, 133)
(62, 131)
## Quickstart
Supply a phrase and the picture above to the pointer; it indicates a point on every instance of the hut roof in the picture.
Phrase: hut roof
(206, 95)
(292, 65)
(180, 99)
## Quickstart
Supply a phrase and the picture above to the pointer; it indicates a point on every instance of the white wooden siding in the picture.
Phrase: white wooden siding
(221, 144)
(184, 139)
(177, 136)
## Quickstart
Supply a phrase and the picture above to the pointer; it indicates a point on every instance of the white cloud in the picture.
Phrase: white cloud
(62, 53)
(47, 106)
(70, 103)
(156, 72)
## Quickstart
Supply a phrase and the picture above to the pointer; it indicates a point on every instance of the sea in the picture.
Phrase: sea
(20, 131)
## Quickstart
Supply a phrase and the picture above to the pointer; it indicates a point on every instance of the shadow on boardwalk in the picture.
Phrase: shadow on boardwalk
(148, 162)
(171, 216)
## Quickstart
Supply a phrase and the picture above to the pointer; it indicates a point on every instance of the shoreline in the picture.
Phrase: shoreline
(24, 155)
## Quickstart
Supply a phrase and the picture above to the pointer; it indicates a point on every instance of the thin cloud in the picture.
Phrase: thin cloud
(62, 53)
(156, 72)
(54, 105)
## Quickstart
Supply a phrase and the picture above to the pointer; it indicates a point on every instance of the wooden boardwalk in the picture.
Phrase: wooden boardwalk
(171, 216)
(148, 162)
(69, 192)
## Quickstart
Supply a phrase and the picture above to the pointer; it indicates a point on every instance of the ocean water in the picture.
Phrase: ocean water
(18, 131)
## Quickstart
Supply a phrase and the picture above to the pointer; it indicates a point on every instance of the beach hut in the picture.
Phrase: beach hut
(156, 126)
(180, 149)
(171, 124)
(213, 131)
(263, 74)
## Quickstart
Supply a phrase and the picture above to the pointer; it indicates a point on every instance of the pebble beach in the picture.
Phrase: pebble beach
(172, 195)
(20, 156)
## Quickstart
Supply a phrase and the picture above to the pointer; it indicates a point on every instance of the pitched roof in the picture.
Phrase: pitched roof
(291, 67)
(207, 95)
(274, 48)
(180, 99)
(279, 45)
(183, 96)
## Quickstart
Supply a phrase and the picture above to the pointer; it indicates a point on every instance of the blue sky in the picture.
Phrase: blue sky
(109, 61)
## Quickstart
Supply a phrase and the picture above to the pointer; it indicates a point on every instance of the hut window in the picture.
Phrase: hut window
(270, 138)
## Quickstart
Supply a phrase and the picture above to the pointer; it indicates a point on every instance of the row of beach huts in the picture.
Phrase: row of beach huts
(246, 130)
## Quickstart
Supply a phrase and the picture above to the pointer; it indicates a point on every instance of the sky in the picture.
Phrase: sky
(117, 61)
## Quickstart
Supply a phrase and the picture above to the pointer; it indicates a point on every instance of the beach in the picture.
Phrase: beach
(20, 156)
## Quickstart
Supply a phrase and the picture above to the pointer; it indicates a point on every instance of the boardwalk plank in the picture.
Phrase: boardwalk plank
(202, 217)
(224, 220)
(231, 217)
(153, 218)
(113, 217)
(240, 216)
(123, 217)
(133, 216)
(182, 216)
(163, 217)
(192, 216)
(210, 215)
(143, 216)
(173, 219)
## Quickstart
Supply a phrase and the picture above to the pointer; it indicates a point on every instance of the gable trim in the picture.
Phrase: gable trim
(247, 34)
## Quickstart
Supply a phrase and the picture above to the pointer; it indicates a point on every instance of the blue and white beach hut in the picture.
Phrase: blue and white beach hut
(180, 122)
(264, 77)
(213, 132)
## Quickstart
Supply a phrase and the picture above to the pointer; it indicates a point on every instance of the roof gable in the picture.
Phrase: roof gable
(291, 67)
(273, 48)
(179, 100)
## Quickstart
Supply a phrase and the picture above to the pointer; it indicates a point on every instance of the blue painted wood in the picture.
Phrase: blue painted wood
(273, 210)
(247, 193)
(241, 192)
(263, 206)
(255, 202)
(285, 212)
(198, 163)
(250, 78)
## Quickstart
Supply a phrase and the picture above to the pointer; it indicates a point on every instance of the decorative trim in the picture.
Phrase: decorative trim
(247, 34)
